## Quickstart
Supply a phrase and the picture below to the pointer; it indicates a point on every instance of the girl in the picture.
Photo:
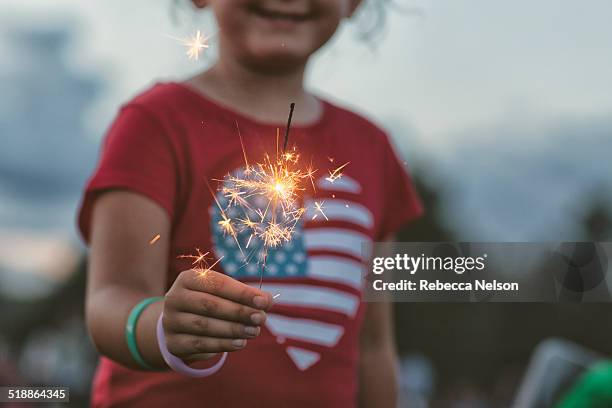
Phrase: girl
(317, 344)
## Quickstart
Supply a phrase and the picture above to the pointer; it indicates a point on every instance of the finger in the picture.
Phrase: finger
(205, 304)
(224, 286)
(189, 323)
(186, 345)
(200, 357)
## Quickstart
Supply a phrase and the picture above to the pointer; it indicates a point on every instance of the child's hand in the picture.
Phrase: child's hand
(211, 313)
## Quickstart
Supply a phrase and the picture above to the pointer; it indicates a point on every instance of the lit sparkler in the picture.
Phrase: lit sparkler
(263, 202)
(277, 183)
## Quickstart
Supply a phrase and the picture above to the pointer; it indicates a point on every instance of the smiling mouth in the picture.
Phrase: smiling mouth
(277, 15)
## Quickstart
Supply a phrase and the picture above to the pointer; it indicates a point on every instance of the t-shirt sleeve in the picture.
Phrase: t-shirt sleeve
(137, 156)
(402, 203)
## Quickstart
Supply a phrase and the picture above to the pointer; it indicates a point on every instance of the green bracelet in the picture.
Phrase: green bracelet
(130, 330)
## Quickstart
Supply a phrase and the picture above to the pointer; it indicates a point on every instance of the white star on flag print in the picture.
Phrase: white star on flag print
(320, 268)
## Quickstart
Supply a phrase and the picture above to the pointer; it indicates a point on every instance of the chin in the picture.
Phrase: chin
(278, 58)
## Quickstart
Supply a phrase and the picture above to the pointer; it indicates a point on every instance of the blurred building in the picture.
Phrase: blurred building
(47, 153)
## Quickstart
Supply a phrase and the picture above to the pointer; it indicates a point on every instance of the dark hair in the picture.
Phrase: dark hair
(372, 14)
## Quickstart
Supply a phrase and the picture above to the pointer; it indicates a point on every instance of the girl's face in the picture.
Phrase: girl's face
(276, 35)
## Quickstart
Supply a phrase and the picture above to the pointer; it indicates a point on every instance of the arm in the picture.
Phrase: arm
(201, 317)
(377, 360)
(124, 269)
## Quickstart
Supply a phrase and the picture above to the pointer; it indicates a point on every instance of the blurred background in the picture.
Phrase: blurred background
(502, 110)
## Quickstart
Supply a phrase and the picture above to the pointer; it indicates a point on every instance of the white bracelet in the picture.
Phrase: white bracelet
(179, 365)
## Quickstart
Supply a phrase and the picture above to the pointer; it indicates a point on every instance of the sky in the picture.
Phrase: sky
(441, 66)
(505, 105)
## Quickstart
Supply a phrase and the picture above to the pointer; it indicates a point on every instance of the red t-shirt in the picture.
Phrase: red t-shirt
(164, 144)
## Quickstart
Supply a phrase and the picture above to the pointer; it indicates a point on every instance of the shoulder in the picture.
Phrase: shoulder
(169, 106)
(359, 124)
(160, 98)
(156, 116)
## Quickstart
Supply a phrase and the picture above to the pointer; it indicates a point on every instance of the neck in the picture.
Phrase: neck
(263, 96)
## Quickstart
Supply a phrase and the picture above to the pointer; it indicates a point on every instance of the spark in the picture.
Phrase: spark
(226, 225)
(199, 261)
(211, 266)
(310, 175)
(319, 207)
(336, 173)
(246, 161)
(226, 222)
(248, 223)
(154, 239)
(195, 44)
(276, 296)
(235, 196)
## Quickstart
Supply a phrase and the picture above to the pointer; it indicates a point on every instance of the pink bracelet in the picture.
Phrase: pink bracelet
(176, 363)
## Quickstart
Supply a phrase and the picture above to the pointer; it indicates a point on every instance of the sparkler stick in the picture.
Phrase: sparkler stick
(263, 268)
(291, 106)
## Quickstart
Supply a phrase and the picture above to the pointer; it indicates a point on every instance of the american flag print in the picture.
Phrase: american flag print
(325, 253)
